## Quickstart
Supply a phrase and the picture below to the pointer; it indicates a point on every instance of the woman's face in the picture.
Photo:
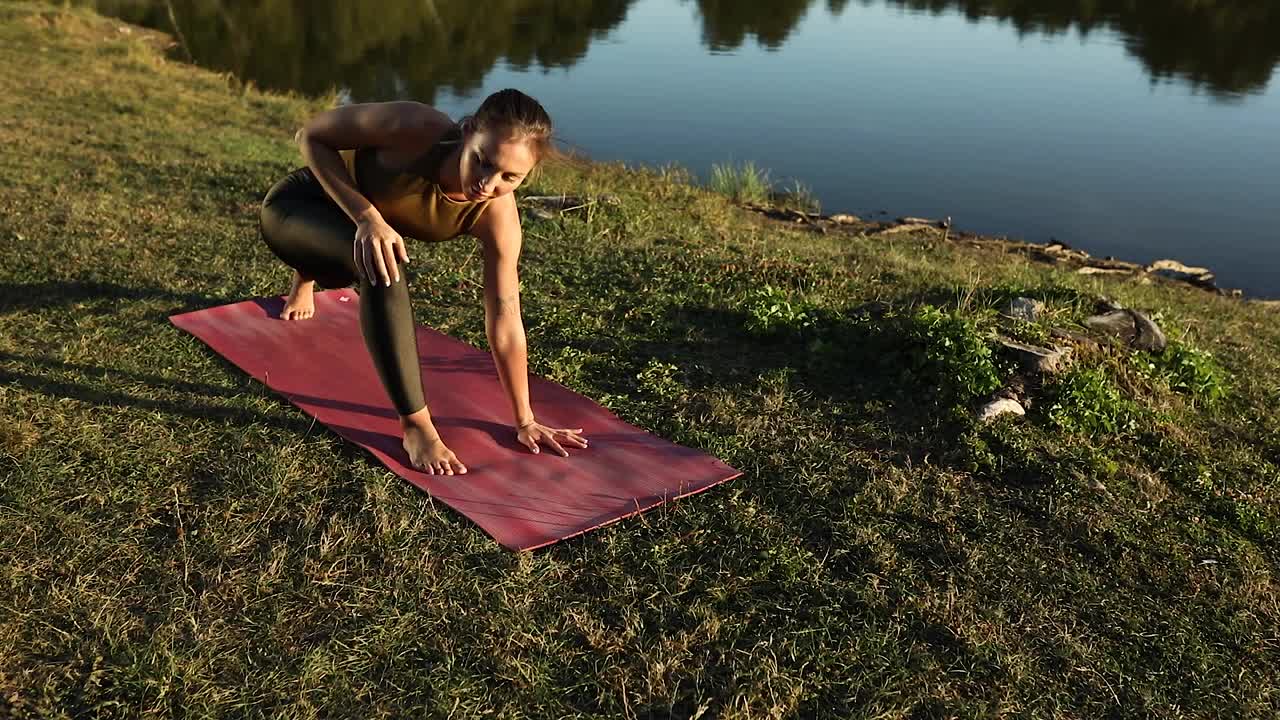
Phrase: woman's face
(493, 165)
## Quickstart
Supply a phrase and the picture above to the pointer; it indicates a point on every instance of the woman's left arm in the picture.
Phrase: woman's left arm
(498, 231)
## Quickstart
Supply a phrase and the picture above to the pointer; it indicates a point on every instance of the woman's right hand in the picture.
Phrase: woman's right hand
(377, 248)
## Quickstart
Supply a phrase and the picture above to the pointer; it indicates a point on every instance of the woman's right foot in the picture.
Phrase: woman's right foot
(300, 304)
(428, 453)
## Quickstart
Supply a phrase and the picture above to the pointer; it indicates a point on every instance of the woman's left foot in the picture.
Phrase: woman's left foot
(300, 304)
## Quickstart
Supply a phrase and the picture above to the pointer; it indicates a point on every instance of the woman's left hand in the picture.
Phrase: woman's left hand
(533, 433)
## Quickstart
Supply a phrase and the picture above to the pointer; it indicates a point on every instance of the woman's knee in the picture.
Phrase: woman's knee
(271, 230)
(394, 294)
(308, 233)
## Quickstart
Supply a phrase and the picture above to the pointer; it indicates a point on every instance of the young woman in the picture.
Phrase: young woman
(378, 172)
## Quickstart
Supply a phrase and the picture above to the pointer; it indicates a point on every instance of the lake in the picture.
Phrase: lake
(1135, 130)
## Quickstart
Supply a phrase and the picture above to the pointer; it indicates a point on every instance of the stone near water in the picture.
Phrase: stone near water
(1131, 327)
(1062, 249)
(1117, 323)
(1175, 270)
(906, 228)
(996, 408)
(1149, 337)
(1038, 359)
(1022, 308)
(845, 219)
(1016, 390)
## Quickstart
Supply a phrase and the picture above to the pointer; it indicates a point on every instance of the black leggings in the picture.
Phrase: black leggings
(306, 229)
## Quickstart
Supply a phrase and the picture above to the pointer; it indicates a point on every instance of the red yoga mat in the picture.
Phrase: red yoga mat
(524, 501)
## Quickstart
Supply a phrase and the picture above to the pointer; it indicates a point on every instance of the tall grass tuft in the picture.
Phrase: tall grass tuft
(797, 196)
(745, 183)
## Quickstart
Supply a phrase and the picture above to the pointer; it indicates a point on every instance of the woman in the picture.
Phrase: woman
(380, 171)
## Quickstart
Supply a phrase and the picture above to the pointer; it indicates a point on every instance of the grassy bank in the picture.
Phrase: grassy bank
(176, 540)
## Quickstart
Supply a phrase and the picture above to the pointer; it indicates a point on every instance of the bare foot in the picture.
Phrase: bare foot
(300, 304)
(428, 453)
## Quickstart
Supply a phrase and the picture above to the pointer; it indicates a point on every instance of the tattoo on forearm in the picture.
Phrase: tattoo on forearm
(509, 303)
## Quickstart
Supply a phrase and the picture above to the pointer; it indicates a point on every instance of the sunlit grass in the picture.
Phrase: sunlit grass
(797, 195)
(741, 183)
(747, 183)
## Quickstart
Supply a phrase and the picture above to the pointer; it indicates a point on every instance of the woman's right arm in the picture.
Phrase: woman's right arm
(390, 124)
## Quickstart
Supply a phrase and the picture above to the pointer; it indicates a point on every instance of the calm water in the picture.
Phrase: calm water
(1139, 133)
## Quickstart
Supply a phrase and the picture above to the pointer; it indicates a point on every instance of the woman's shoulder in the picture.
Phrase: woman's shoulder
(428, 122)
(396, 123)
(496, 218)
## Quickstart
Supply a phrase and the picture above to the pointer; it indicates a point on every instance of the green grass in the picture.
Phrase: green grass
(741, 183)
(177, 540)
(747, 183)
(798, 196)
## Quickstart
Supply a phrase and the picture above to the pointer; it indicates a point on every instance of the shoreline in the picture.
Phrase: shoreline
(1055, 253)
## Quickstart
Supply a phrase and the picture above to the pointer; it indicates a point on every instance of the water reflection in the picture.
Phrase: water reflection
(381, 49)
(726, 24)
(1229, 47)
(377, 49)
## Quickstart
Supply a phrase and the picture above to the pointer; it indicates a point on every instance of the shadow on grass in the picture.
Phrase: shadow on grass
(96, 384)
(54, 294)
(856, 369)
(91, 384)
(840, 363)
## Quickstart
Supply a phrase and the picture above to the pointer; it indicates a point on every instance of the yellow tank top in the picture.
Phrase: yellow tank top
(411, 200)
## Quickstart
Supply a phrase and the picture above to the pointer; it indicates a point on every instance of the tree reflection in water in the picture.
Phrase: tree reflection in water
(1229, 47)
(727, 23)
(377, 49)
(380, 49)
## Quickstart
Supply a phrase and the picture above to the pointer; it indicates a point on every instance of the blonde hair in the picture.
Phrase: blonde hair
(517, 116)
